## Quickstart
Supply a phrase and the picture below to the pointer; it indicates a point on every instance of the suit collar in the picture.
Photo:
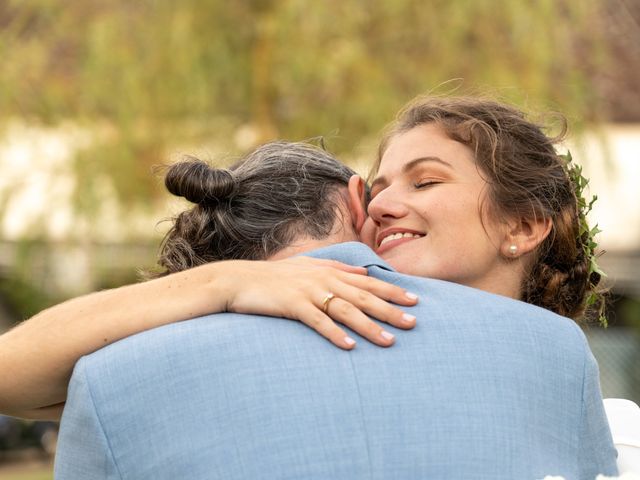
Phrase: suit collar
(352, 253)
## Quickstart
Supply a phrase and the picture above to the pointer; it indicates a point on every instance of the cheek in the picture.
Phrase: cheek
(368, 233)
(456, 221)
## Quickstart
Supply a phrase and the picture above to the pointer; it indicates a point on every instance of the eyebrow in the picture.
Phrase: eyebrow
(410, 166)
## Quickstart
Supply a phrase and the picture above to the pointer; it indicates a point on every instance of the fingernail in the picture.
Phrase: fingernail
(411, 296)
(349, 341)
(408, 318)
(387, 336)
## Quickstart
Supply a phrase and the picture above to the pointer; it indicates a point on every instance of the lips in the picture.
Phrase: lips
(389, 239)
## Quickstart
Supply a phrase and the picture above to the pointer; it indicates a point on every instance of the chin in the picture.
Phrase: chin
(411, 267)
(405, 266)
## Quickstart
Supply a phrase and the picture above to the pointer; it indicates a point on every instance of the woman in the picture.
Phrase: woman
(464, 190)
(466, 166)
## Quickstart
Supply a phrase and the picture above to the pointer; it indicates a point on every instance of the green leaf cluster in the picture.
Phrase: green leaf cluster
(587, 237)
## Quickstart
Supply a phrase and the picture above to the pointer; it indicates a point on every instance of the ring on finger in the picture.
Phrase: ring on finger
(325, 303)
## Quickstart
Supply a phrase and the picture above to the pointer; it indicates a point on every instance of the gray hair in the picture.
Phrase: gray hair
(255, 208)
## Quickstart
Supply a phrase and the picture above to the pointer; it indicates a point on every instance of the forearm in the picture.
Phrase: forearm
(37, 357)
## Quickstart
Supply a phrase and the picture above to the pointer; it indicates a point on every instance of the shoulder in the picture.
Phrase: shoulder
(219, 340)
(476, 315)
(207, 357)
(452, 297)
(217, 330)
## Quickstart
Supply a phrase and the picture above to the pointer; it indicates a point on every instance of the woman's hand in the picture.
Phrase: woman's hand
(299, 289)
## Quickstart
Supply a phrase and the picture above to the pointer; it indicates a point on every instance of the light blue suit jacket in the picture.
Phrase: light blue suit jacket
(484, 387)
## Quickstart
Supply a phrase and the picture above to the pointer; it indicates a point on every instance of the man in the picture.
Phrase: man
(483, 387)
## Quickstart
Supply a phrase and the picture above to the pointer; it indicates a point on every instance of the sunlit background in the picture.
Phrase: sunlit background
(94, 94)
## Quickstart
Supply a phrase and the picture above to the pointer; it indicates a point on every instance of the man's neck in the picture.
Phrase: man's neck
(302, 245)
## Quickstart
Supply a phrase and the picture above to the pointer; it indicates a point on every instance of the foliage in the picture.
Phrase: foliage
(23, 297)
(156, 75)
(629, 311)
(587, 238)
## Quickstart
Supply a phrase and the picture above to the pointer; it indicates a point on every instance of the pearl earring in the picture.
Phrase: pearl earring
(513, 249)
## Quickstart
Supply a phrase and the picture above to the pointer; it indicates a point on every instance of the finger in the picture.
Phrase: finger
(320, 262)
(347, 314)
(370, 304)
(382, 289)
(325, 326)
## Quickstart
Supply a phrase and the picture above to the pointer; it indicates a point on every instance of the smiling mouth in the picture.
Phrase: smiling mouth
(386, 241)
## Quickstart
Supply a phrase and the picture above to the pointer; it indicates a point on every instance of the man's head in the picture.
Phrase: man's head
(281, 199)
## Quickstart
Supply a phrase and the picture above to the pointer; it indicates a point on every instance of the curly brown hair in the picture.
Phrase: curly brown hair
(526, 179)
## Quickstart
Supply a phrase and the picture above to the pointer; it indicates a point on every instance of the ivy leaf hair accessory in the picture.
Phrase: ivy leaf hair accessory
(586, 237)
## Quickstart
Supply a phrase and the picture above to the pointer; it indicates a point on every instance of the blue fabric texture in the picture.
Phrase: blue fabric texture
(484, 387)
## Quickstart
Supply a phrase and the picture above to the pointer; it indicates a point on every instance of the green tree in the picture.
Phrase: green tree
(152, 75)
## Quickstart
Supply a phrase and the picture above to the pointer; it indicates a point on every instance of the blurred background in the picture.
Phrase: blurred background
(94, 94)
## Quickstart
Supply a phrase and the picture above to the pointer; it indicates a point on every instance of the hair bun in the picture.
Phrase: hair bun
(196, 181)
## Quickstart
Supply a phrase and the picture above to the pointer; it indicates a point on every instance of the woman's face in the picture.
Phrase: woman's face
(425, 214)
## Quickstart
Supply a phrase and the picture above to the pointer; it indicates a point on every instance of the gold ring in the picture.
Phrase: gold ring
(325, 303)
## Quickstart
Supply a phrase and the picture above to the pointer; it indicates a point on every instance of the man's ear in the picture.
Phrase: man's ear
(524, 235)
(357, 207)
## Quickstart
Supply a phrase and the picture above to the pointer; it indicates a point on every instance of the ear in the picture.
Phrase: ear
(524, 235)
(357, 207)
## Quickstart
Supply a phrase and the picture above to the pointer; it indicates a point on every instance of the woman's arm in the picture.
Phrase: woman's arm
(37, 357)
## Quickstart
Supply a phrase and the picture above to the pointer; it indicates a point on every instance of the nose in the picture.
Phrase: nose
(387, 205)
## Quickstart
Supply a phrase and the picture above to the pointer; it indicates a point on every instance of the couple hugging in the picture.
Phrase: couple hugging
(470, 237)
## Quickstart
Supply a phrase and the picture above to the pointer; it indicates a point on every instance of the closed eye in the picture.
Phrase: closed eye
(426, 183)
